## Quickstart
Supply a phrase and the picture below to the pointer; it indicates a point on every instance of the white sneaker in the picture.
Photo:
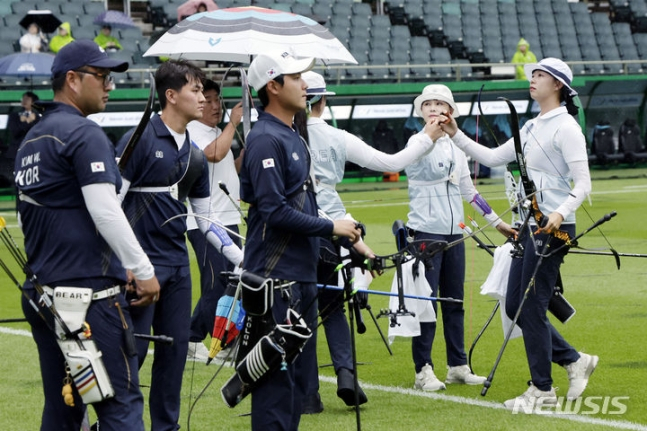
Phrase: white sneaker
(463, 374)
(579, 373)
(197, 352)
(532, 399)
(427, 380)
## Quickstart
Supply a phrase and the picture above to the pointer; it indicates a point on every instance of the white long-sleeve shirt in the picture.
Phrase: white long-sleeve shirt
(331, 148)
(555, 152)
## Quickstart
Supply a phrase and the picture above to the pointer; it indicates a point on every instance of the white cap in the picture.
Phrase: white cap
(265, 68)
(556, 67)
(435, 92)
(316, 84)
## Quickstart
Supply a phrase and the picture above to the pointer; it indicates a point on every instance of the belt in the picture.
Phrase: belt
(161, 189)
(96, 296)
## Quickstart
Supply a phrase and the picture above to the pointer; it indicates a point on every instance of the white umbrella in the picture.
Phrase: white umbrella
(238, 34)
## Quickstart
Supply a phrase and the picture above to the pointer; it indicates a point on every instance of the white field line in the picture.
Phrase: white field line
(611, 424)
(615, 424)
(374, 204)
(501, 197)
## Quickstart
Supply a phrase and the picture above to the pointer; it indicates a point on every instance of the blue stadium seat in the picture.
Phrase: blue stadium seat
(22, 7)
(302, 9)
(322, 10)
(361, 24)
(361, 9)
(400, 45)
(134, 33)
(95, 8)
(434, 20)
(471, 23)
(342, 9)
(359, 43)
(380, 43)
(380, 24)
(285, 7)
(465, 68)
(550, 47)
(451, 9)
(84, 32)
(490, 21)
(82, 21)
(11, 21)
(380, 58)
(432, 6)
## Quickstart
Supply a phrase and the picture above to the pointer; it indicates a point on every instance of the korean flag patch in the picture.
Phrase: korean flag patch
(268, 163)
(97, 167)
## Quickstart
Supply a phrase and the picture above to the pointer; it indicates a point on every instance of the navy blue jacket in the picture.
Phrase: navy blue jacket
(157, 162)
(61, 154)
(283, 227)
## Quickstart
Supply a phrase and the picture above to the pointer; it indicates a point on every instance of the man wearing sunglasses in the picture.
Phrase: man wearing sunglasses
(77, 239)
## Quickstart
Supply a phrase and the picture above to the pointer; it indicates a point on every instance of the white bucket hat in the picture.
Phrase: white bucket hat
(556, 67)
(316, 84)
(266, 67)
(435, 92)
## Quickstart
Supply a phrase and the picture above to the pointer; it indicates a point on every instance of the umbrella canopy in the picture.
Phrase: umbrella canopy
(191, 7)
(115, 19)
(237, 34)
(26, 64)
(46, 20)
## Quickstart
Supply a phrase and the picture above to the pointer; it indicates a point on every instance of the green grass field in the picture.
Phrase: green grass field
(611, 315)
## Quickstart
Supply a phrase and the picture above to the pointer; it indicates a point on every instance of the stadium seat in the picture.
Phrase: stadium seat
(84, 32)
(322, 10)
(451, 9)
(434, 20)
(418, 27)
(302, 9)
(95, 8)
(83, 21)
(630, 143)
(22, 7)
(380, 43)
(464, 69)
(363, 9)
(379, 58)
(603, 150)
(11, 21)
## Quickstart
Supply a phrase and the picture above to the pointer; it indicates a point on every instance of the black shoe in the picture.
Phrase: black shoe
(312, 405)
(346, 388)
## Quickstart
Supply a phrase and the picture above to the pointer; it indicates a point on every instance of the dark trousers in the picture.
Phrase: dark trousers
(542, 341)
(170, 316)
(212, 285)
(331, 306)
(445, 272)
(125, 409)
(277, 401)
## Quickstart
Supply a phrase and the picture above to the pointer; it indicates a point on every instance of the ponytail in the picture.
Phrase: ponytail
(569, 101)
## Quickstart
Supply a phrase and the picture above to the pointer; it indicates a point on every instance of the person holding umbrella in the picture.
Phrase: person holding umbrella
(283, 227)
(106, 40)
(216, 145)
(34, 40)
